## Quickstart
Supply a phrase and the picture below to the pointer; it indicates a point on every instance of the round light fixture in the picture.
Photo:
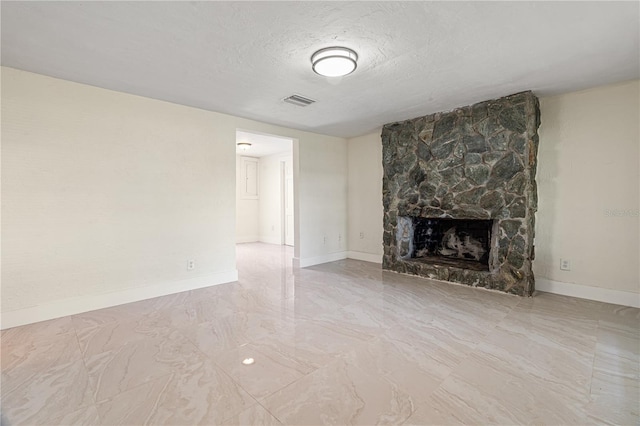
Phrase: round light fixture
(244, 146)
(248, 361)
(334, 61)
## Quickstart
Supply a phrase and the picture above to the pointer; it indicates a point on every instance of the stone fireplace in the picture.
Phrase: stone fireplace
(459, 194)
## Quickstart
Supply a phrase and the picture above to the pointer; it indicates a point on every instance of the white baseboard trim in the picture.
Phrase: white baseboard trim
(617, 297)
(367, 257)
(317, 260)
(270, 240)
(249, 239)
(76, 305)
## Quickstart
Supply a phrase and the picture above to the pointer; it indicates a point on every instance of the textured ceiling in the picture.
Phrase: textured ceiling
(242, 58)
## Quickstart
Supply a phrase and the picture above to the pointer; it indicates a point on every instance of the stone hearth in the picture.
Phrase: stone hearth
(473, 163)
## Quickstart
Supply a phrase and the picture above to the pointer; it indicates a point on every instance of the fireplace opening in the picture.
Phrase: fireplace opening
(463, 243)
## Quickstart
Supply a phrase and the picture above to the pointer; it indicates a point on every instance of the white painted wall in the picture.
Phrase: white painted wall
(107, 195)
(588, 185)
(365, 197)
(270, 205)
(246, 212)
(588, 165)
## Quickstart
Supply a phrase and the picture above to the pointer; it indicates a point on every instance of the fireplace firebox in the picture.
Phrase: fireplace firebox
(455, 242)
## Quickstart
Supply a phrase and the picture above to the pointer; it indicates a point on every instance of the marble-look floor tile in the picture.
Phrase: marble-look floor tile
(340, 394)
(621, 316)
(358, 317)
(354, 270)
(569, 329)
(214, 291)
(49, 394)
(201, 395)
(612, 409)
(104, 316)
(444, 345)
(230, 332)
(555, 305)
(483, 390)
(619, 340)
(336, 287)
(615, 366)
(615, 390)
(625, 387)
(115, 334)
(406, 299)
(478, 294)
(22, 363)
(268, 372)
(194, 312)
(311, 302)
(58, 349)
(558, 330)
(559, 365)
(256, 415)
(386, 312)
(413, 366)
(480, 304)
(138, 362)
(468, 328)
(253, 300)
(85, 416)
(311, 343)
(133, 406)
(28, 334)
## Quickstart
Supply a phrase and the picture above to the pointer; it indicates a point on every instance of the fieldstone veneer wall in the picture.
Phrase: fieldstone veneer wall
(475, 162)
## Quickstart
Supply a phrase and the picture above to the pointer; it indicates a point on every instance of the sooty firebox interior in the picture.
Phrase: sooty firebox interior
(458, 242)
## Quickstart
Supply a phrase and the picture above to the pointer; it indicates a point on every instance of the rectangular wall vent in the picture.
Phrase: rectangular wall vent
(299, 100)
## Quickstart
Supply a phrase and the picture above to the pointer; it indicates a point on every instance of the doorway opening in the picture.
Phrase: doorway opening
(264, 189)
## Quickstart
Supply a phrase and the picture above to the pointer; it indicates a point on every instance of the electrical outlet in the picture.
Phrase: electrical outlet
(191, 265)
(565, 265)
(362, 235)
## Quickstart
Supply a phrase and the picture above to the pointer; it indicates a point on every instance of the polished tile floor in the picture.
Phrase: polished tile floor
(340, 343)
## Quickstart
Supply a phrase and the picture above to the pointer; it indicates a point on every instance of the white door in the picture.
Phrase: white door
(288, 202)
(249, 177)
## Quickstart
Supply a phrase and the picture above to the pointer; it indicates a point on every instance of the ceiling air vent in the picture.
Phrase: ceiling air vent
(299, 100)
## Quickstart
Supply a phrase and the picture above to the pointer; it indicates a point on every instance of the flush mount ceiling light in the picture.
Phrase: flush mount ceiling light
(334, 61)
(244, 146)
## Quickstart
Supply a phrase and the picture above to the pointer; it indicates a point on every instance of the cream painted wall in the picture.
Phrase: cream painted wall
(105, 192)
(270, 205)
(365, 196)
(588, 185)
(246, 212)
(107, 195)
(322, 195)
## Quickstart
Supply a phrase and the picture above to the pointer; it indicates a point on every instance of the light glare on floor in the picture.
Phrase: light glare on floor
(248, 361)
